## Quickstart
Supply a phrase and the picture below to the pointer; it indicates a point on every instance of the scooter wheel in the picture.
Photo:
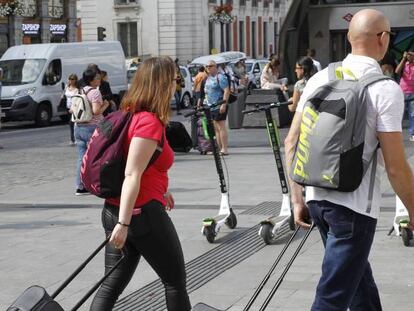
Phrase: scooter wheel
(210, 233)
(266, 233)
(406, 235)
(292, 224)
(231, 221)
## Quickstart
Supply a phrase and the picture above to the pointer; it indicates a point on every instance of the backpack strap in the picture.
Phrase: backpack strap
(157, 152)
(372, 78)
(332, 70)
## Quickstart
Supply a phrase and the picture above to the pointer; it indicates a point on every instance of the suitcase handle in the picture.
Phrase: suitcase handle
(81, 267)
(292, 259)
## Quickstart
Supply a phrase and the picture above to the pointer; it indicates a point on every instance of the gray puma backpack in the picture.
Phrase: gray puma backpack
(332, 133)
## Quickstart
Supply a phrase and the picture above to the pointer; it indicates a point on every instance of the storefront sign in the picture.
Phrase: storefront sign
(58, 29)
(31, 29)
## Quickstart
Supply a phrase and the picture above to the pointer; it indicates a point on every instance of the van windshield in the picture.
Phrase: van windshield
(21, 71)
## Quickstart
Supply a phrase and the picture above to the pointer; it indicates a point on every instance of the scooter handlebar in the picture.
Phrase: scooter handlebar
(270, 106)
(202, 108)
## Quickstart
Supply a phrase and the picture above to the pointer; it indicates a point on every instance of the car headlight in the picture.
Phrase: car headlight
(25, 92)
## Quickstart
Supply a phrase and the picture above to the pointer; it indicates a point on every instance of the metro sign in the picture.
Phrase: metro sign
(348, 17)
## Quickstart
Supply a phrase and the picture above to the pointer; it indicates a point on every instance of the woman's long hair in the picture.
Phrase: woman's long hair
(273, 63)
(151, 89)
(308, 68)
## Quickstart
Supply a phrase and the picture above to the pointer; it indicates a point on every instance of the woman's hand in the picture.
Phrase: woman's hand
(223, 108)
(119, 236)
(170, 201)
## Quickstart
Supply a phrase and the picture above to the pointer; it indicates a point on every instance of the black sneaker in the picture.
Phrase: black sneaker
(81, 192)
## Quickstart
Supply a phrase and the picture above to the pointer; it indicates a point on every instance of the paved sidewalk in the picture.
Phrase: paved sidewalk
(45, 231)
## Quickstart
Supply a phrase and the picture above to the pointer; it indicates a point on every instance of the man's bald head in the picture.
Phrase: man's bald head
(366, 32)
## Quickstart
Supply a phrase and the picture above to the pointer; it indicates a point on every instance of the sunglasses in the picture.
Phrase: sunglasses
(386, 31)
(209, 66)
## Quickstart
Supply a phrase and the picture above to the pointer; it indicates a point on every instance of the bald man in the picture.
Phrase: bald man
(345, 224)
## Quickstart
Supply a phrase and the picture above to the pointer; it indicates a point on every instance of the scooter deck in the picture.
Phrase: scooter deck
(203, 307)
(275, 219)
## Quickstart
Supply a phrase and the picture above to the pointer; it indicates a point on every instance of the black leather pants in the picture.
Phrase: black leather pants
(151, 235)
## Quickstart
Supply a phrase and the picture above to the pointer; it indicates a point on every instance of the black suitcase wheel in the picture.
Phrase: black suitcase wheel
(266, 233)
(231, 221)
(407, 236)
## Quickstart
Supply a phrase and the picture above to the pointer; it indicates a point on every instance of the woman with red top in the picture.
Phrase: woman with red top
(138, 221)
(406, 68)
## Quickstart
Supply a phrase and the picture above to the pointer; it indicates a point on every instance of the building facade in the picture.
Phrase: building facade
(181, 28)
(39, 21)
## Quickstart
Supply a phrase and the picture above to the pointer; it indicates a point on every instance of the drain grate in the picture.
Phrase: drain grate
(200, 270)
(264, 208)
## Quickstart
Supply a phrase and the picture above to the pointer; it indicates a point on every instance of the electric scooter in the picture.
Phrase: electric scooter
(225, 216)
(270, 227)
(400, 223)
(204, 307)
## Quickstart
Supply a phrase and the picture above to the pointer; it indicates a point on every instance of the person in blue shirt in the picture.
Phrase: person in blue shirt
(216, 89)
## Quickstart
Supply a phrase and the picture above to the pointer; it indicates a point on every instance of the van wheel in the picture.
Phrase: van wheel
(186, 101)
(43, 115)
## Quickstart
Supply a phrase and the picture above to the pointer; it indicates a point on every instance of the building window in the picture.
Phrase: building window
(276, 3)
(210, 36)
(128, 36)
(254, 54)
(241, 36)
(242, 3)
(29, 8)
(212, 1)
(228, 37)
(266, 3)
(56, 8)
(276, 38)
(255, 3)
(229, 2)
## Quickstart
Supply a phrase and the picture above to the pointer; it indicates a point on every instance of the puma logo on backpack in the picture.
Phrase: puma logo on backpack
(332, 133)
(81, 107)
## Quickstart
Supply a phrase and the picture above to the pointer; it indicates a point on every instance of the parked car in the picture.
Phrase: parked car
(254, 68)
(35, 76)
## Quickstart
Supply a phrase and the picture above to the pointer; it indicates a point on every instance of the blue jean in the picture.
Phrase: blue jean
(346, 280)
(409, 103)
(177, 96)
(83, 134)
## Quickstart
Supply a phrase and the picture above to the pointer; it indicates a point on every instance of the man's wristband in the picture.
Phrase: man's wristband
(122, 224)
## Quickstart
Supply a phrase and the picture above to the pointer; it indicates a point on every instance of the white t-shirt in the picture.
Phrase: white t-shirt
(384, 114)
(317, 64)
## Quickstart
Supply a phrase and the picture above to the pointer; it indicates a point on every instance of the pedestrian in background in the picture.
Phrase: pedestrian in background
(198, 80)
(312, 53)
(180, 84)
(406, 69)
(137, 221)
(269, 80)
(83, 131)
(347, 220)
(105, 89)
(70, 91)
(304, 69)
(215, 94)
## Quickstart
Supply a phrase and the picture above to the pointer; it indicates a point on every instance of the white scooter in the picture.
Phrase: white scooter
(400, 223)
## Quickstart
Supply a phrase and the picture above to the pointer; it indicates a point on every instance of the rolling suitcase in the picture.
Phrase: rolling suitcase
(178, 137)
(204, 307)
(36, 298)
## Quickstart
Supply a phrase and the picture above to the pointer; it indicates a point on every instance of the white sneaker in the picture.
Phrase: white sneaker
(412, 138)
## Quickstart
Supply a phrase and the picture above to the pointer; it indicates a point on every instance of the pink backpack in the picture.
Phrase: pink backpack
(103, 165)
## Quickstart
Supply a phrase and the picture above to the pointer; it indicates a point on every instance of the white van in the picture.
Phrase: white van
(35, 75)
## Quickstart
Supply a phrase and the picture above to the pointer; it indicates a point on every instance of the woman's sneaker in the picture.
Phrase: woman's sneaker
(81, 192)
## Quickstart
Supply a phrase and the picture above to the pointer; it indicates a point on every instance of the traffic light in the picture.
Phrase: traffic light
(101, 34)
